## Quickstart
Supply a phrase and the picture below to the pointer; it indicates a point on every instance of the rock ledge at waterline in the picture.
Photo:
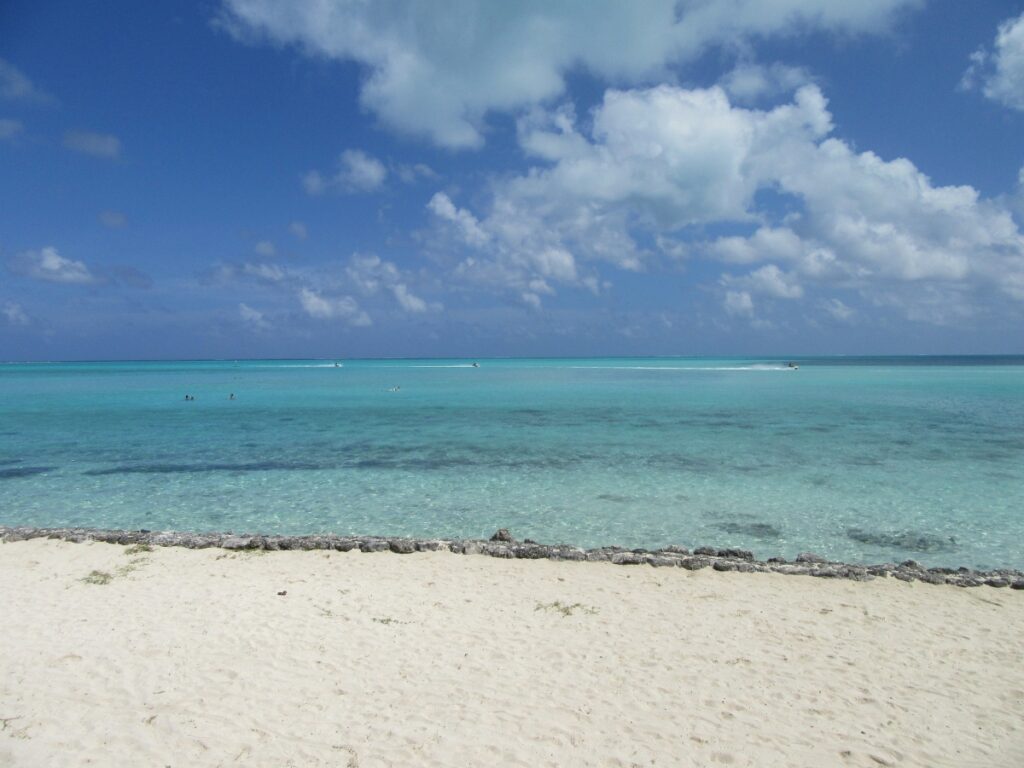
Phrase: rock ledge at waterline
(503, 545)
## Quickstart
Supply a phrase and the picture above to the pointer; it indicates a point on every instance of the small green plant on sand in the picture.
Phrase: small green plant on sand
(137, 549)
(98, 577)
(389, 620)
(565, 608)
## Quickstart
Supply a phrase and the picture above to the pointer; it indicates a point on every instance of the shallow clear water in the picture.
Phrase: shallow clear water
(856, 459)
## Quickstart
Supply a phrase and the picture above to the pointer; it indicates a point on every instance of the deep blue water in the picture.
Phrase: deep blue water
(858, 459)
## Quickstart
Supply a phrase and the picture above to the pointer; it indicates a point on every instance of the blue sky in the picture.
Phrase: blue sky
(248, 178)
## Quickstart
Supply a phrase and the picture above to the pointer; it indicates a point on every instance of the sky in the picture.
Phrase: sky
(337, 178)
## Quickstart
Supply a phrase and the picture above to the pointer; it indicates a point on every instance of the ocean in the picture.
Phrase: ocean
(856, 459)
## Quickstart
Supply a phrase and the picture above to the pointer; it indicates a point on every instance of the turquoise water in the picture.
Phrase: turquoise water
(856, 459)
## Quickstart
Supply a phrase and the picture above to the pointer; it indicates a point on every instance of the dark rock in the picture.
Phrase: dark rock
(810, 557)
(739, 554)
(282, 593)
(502, 534)
(430, 546)
(529, 541)
(694, 563)
(663, 562)
(629, 558)
(530, 551)
(498, 550)
(722, 559)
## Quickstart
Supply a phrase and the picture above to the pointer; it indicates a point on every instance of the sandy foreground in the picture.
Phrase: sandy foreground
(192, 658)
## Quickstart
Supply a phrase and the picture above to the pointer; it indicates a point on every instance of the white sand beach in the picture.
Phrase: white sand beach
(193, 658)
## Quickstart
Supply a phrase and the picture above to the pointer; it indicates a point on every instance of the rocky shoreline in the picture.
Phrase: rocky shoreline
(502, 544)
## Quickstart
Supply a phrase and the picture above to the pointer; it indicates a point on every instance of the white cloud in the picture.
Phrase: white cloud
(370, 274)
(48, 265)
(113, 219)
(838, 310)
(329, 308)
(271, 273)
(770, 281)
(739, 304)
(253, 317)
(1000, 72)
(265, 248)
(13, 313)
(298, 230)
(439, 75)
(659, 165)
(314, 183)
(102, 145)
(468, 227)
(748, 82)
(407, 300)
(9, 128)
(357, 172)
(15, 86)
(410, 174)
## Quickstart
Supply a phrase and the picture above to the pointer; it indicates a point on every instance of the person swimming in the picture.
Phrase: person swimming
(231, 396)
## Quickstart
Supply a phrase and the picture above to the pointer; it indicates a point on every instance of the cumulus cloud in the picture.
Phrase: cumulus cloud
(323, 307)
(13, 314)
(468, 227)
(662, 164)
(103, 145)
(838, 310)
(371, 275)
(999, 72)
(748, 82)
(253, 317)
(439, 76)
(113, 219)
(48, 265)
(9, 128)
(739, 304)
(356, 172)
(15, 86)
(770, 281)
